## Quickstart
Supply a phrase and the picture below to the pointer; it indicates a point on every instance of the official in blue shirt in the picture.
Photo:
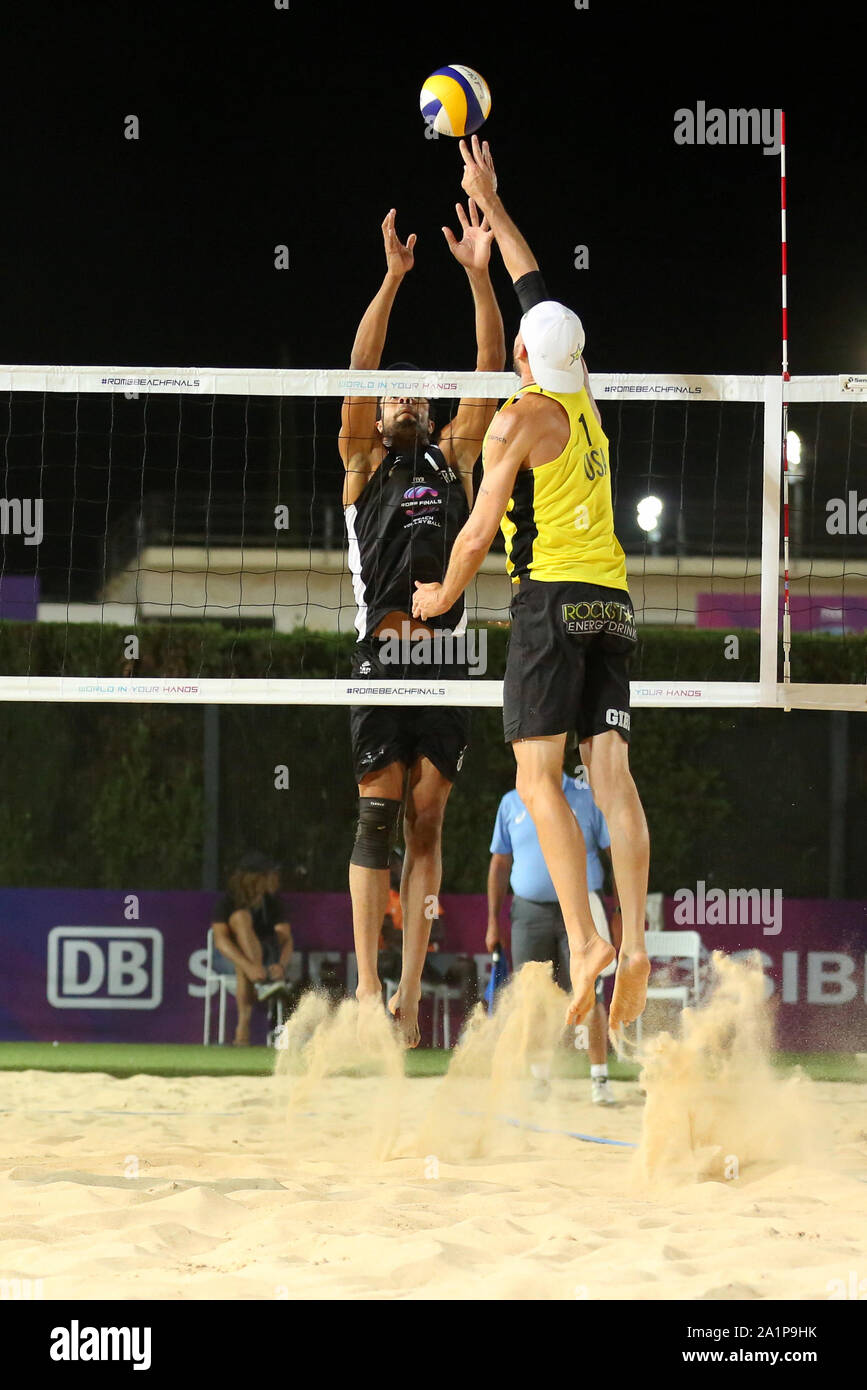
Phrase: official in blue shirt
(538, 930)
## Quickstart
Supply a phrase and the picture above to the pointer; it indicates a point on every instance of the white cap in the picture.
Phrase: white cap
(554, 339)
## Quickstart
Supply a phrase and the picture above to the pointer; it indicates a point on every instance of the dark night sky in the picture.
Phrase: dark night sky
(261, 126)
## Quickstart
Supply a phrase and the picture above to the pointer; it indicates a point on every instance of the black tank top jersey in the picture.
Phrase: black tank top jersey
(402, 529)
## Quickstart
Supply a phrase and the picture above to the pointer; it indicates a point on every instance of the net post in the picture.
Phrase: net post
(770, 571)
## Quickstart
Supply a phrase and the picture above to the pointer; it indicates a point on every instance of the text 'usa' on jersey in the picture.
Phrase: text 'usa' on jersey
(559, 523)
(401, 530)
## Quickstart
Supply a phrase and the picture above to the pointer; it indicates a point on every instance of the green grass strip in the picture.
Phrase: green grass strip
(176, 1059)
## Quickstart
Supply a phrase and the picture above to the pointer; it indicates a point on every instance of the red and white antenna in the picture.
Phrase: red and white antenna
(787, 618)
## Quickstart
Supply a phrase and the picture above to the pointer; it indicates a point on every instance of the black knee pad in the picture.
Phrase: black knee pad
(376, 832)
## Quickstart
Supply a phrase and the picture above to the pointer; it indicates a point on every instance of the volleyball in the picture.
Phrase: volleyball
(455, 100)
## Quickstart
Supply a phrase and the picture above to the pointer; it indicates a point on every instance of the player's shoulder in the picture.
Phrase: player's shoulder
(519, 420)
(534, 415)
(527, 406)
(530, 403)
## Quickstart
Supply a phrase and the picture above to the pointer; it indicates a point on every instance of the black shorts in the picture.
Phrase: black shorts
(383, 734)
(569, 657)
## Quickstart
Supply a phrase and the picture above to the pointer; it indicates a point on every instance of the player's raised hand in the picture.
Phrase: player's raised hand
(480, 177)
(474, 248)
(399, 257)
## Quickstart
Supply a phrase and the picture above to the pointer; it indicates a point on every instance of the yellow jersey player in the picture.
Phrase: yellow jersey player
(547, 483)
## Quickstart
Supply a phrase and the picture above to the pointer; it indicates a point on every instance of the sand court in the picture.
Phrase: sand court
(319, 1184)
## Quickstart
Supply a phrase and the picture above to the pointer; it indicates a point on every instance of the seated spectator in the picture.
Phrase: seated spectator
(252, 933)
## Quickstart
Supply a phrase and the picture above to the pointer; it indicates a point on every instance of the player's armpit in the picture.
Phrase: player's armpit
(357, 427)
(356, 442)
(358, 470)
(461, 439)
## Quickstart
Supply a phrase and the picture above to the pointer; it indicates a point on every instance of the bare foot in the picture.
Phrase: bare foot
(584, 967)
(630, 990)
(405, 1014)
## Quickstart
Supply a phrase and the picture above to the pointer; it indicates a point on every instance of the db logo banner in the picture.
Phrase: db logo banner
(105, 968)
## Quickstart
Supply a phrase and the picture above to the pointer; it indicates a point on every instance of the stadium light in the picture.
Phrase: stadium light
(793, 451)
(649, 511)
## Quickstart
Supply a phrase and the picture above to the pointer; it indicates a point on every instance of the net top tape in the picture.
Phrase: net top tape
(313, 382)
(473, 693)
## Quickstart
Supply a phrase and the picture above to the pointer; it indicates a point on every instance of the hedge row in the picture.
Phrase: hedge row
(112, 796)
(198, 650)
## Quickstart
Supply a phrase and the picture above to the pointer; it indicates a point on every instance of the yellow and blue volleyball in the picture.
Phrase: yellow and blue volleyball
(455, 100)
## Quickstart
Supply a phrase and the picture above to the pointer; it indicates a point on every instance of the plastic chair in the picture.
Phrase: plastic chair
(673, 945)
(442, 996)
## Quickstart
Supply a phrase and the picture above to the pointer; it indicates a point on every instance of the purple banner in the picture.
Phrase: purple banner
(832, 613)
(19, 596)
(81, 966)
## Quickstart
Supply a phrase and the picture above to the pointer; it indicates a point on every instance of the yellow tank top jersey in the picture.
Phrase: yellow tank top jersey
(559, 523)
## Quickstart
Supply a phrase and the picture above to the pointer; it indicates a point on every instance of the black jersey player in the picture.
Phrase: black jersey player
(405, 499)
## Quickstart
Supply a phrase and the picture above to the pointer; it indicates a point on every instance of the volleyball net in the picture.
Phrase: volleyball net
(177, 534)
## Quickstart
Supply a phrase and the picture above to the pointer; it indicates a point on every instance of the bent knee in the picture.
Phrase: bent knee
(531, 785)
(611, 785)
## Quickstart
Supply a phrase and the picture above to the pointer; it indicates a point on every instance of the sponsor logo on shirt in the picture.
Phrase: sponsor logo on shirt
(420, 500)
